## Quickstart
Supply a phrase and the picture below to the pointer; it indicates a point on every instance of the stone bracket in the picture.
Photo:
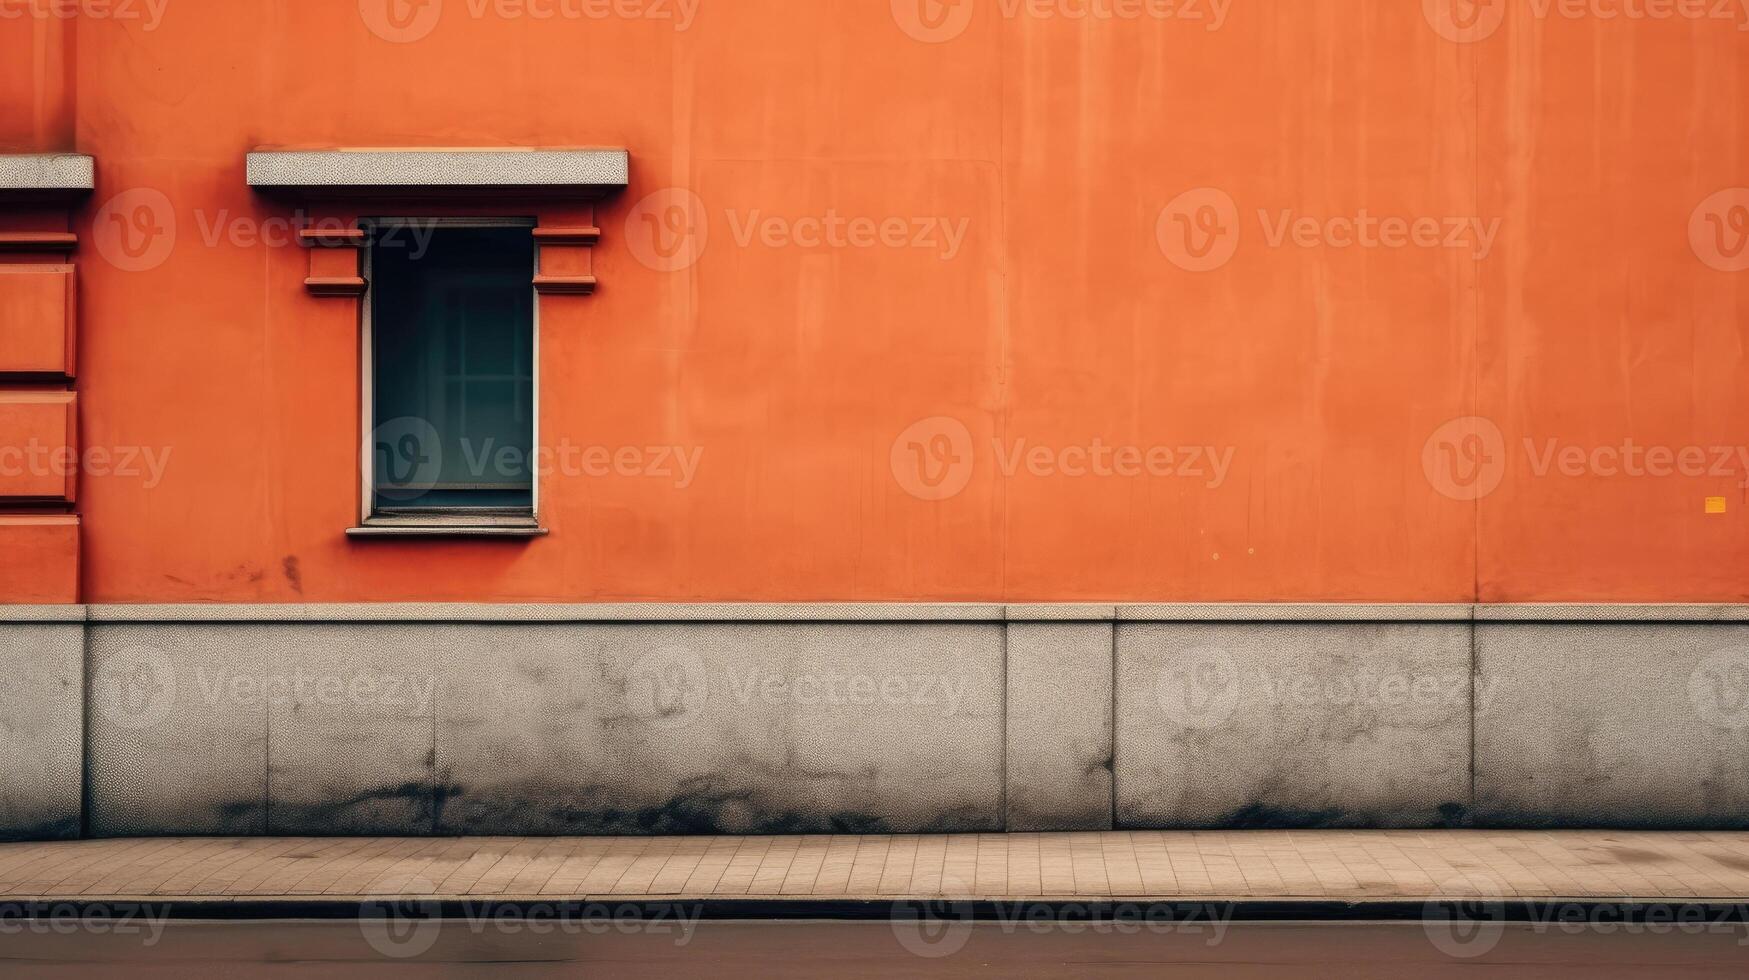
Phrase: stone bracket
(334, 260)
(566, 260)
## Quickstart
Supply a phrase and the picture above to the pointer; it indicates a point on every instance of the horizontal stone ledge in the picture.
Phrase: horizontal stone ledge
(585, 172)
(42, 614)
(552, 613)
(1554, 612)
(47, 173)
(878, 612)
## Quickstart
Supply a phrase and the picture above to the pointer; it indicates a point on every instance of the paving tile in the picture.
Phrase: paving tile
(1166, 864)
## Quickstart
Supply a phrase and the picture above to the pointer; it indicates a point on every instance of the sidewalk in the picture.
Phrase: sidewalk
(1286, 866)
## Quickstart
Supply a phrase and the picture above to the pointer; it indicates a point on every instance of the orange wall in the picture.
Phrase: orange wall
(1060, 320)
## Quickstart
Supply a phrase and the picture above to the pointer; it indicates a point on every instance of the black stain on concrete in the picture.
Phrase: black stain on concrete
(233, 812)
(1262, 816)
(700, 806)
(64, 828)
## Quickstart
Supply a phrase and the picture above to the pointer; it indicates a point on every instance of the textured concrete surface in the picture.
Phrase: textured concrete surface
(732, 728)
(1292, 725)
(42, 668)
(831, 719)
(1613, 725)
(1058, 763)
(177, 729)
(47, 172)
(351, 732)
(411, 729)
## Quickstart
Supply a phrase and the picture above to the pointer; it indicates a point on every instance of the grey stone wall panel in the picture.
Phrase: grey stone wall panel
(1292, 725)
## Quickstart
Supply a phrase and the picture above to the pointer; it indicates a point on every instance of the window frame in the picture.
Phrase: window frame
(437, 519)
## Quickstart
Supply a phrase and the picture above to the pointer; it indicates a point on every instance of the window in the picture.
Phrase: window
(449, 345)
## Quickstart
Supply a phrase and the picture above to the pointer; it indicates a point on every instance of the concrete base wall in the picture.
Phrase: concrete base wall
(42, 725)
(119, 721)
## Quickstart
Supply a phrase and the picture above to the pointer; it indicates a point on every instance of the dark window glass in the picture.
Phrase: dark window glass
(452, 325)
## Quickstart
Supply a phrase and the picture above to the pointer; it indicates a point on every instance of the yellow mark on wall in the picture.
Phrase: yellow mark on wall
(1715, 505)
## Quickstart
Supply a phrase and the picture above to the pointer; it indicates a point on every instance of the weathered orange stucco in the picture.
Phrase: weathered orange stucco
(1060, 320)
